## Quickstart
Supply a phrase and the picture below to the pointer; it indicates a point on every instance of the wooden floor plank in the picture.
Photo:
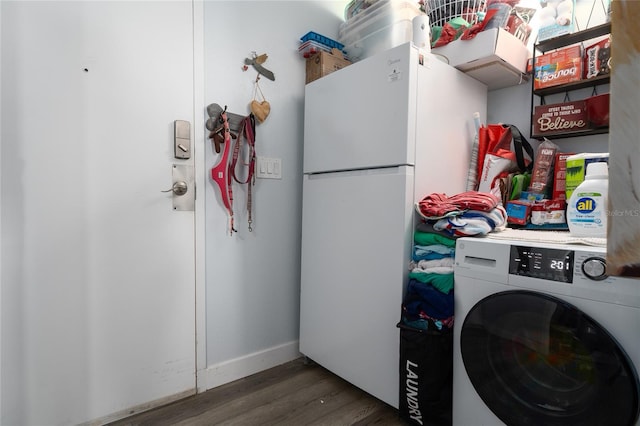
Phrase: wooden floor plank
(325, 405)
(292, 394)
(350, 413)
(190, 407)
(255, 406)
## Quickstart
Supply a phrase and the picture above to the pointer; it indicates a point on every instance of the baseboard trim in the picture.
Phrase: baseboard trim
(139, 408)
(228, 371)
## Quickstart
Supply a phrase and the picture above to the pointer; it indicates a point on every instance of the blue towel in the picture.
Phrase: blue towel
(423, 297)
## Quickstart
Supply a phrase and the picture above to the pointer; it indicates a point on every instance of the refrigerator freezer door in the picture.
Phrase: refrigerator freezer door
(360, 117)
(356, 242)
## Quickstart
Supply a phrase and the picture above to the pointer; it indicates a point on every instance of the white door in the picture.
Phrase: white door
(98, 274)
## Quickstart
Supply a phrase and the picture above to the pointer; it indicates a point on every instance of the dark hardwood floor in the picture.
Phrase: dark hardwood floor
(294, 393)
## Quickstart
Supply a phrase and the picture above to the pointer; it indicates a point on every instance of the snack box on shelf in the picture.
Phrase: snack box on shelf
(597, 59)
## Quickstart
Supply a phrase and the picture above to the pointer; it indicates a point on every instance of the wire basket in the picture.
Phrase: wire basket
(442, 11)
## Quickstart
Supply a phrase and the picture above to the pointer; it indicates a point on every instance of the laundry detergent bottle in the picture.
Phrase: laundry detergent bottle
(587, 206)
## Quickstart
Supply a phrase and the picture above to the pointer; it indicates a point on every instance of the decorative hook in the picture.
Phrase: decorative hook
(257, 61)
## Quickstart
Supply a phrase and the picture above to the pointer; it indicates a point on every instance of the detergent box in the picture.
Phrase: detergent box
(576, 165)
(558, 67)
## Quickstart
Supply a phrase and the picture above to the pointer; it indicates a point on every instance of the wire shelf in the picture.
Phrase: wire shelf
(442, 11)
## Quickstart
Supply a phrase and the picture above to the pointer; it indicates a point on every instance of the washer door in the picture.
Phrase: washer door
(537, 360)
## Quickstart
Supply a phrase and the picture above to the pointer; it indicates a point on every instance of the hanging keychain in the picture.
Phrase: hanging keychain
(260, 109)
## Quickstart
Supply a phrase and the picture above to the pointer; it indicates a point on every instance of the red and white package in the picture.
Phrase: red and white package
(560, 175)
(548, 212)
(597, 59)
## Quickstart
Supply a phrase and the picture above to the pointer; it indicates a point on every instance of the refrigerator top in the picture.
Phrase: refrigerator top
(367, 115)
(363, 115)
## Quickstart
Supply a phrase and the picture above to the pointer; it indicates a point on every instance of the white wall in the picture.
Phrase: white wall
(252, 284)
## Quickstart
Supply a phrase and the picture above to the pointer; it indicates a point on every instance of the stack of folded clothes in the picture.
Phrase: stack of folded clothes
(428, 302)
(467, 214)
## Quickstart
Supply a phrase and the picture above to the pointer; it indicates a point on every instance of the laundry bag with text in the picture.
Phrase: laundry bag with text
(426, 376)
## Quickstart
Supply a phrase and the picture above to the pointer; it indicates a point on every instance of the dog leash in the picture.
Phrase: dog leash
(247, 133)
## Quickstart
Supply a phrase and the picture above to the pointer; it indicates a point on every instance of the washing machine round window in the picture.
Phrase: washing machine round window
(537, 360)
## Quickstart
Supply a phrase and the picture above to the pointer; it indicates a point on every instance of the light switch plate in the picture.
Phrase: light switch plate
(269, 168)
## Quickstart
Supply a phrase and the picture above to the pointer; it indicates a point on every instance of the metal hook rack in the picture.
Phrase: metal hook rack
(214, 111)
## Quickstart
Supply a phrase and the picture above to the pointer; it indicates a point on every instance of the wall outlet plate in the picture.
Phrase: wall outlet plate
(269, 168)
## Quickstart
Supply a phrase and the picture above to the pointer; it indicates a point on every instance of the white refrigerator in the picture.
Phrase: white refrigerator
(379, 135)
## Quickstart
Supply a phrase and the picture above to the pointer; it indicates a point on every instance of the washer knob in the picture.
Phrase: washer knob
(595, 268)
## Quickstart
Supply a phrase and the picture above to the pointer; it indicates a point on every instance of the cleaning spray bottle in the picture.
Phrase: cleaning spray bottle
(587, 206)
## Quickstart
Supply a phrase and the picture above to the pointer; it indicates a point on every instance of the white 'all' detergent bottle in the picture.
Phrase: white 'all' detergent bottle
(587, 206)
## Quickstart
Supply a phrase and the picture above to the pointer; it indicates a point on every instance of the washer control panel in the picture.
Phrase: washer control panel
(555, 268)
(556, 264)
(541, 262)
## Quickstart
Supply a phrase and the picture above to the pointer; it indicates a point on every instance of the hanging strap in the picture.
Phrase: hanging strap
(220, 172)
(521, 143)
(248, 130)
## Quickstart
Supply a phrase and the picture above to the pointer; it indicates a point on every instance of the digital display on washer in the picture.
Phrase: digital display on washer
(543, 263)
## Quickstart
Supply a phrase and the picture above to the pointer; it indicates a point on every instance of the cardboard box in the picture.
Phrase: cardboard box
(323, 63)
(558, 67)
(494, 57)
(560, 175)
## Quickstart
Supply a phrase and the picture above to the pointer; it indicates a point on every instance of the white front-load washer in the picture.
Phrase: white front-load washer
(543, 336)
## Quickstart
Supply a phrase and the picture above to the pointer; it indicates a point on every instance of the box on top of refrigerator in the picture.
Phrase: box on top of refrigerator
(322, 63)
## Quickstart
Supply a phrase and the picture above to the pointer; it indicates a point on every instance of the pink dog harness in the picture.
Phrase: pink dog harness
(224, 171)
(220, 172)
